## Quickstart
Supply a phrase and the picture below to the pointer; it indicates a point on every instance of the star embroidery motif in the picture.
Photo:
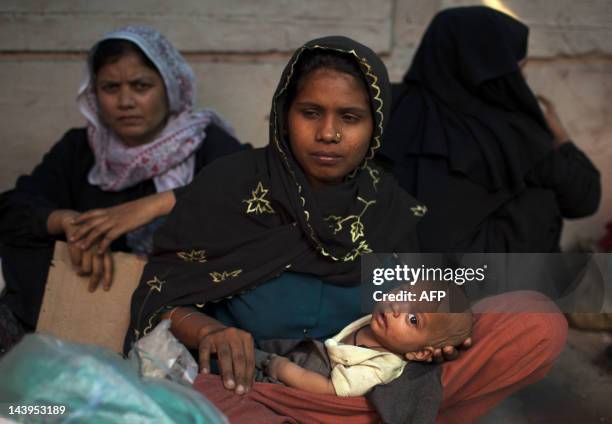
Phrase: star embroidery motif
(419, 210)
(156, 284)
(193, 256)
(257, 204)
(222, 276)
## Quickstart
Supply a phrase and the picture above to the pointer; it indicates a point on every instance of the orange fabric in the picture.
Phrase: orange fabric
(511, 350)
(274, 403)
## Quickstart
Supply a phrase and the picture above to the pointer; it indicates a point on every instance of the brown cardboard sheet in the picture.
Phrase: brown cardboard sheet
(70, 312)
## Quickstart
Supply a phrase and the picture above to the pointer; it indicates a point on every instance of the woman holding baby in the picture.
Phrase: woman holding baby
(275, 251)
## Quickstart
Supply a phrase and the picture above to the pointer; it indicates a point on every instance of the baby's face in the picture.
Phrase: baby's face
(402, 331)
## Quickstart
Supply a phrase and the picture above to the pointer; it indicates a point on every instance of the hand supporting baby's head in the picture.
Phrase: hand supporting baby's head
(414, 329)
(445, 329)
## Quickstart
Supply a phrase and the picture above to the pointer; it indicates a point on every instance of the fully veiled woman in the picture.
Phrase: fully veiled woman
(467, 137)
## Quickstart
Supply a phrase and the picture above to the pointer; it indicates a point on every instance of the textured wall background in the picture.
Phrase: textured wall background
(239, 47)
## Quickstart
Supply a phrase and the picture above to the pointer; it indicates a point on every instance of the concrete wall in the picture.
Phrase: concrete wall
(239, 47)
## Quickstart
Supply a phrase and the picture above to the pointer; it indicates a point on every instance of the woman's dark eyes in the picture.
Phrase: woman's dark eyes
(310, 114)
(412, 319)
(350, 119)
(141, 86)
(347, 118)
(110, 88)
(136, 86)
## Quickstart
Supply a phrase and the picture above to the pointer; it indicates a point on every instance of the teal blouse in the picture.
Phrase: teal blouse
(291, 306)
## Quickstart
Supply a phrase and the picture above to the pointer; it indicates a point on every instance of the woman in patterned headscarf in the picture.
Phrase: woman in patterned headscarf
(104, 187)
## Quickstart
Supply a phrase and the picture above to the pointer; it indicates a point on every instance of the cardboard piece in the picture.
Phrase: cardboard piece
(70, 312)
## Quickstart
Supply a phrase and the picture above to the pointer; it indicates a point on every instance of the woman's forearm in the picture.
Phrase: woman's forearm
(105, 225)
(163, 203)
(190, 325)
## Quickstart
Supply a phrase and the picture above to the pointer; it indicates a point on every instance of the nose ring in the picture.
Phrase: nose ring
(338, 136)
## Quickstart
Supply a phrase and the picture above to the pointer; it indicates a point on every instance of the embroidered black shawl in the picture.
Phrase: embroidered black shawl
(251, 216)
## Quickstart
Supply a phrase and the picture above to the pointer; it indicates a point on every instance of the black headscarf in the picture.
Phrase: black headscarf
(464, 99)
(249, 217)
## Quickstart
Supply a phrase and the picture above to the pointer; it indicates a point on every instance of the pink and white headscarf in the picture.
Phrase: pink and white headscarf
(170, 158)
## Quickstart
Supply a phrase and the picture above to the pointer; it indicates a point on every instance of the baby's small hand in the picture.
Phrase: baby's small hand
(275, 365)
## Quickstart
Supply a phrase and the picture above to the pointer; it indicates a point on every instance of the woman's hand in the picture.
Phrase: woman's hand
(60, 221)
(553, 121)
(88, 262)
(235, 356)
(106, 225)
(449, 353)
(234, 347)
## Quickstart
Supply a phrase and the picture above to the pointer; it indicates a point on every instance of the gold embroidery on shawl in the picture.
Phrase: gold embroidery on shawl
(374, 174)
(193, 256)
(155, 284)
(222, 276)
(357, 227)
(150, 322)
(356, 230)
(356, 252)
(419, 210)
(257, 204)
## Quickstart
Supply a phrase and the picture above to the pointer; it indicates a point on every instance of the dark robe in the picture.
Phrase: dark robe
(468, 139)
(60, 182)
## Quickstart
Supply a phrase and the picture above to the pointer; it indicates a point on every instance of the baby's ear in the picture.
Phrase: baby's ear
(423, 355)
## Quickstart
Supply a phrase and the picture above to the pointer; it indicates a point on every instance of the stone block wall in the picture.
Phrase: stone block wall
(239, 47)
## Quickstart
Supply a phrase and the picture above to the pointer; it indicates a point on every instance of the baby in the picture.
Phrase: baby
(375, 349)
